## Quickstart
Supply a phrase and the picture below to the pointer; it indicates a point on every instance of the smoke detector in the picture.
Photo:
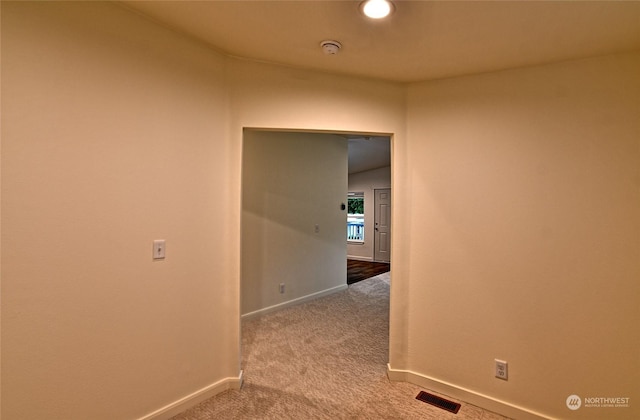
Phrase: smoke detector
(330, 47)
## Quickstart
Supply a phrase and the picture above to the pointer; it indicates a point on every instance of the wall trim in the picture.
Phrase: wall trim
(195, 398)
(357, 257)
(293, 302)
(463, 394)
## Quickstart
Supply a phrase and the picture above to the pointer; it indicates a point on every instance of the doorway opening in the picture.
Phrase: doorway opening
(293, 217)
(294, 223)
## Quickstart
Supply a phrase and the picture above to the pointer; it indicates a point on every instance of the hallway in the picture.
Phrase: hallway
(325, 359)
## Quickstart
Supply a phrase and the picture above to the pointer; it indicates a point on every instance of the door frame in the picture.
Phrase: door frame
(302, 130)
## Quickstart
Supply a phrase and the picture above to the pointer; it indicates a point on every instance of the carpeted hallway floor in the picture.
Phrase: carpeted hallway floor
(325, 359)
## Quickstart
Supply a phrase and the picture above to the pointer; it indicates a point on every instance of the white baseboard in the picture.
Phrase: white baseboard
(195, 398)
(463, 394)
(293, 302)
(358, 258)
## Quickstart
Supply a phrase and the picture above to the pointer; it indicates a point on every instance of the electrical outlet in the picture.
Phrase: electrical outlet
(501, 369)
(281, 287)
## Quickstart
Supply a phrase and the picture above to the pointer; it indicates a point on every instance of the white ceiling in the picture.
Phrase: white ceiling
(422, 40)
(368, 152)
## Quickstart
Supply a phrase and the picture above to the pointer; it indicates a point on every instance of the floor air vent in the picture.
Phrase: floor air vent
(438, 402)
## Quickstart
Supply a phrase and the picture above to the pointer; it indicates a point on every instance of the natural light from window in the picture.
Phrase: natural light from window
(355, 217)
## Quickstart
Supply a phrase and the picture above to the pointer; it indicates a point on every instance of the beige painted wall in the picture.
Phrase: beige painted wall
(0, 218)
(526, 247)
(291, 183)
(367, 182)
(114, 133)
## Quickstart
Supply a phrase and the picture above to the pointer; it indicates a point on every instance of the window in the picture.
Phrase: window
(355, 217)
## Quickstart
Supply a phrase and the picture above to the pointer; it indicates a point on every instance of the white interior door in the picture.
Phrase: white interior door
(382, 232)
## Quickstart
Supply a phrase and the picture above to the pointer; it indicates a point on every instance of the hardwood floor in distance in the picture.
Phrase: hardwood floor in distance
(360, 270)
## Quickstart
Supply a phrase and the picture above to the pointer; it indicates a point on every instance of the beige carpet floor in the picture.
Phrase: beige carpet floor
(325, 359)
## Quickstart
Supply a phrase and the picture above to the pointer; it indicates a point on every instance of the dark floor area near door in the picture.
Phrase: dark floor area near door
(360, 270)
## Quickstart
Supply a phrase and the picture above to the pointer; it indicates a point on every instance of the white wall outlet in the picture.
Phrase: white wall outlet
(501, 369)
(281, 287)
(159, 247)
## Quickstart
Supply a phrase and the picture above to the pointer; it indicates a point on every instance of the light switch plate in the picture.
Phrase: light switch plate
(159, 247)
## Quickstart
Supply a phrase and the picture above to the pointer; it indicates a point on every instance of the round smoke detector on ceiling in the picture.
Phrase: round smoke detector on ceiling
(330, 47)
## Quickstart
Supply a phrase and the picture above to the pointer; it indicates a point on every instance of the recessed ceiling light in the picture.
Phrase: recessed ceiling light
(376, 9)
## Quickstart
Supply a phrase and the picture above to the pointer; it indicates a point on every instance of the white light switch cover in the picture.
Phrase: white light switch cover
(159, 247)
